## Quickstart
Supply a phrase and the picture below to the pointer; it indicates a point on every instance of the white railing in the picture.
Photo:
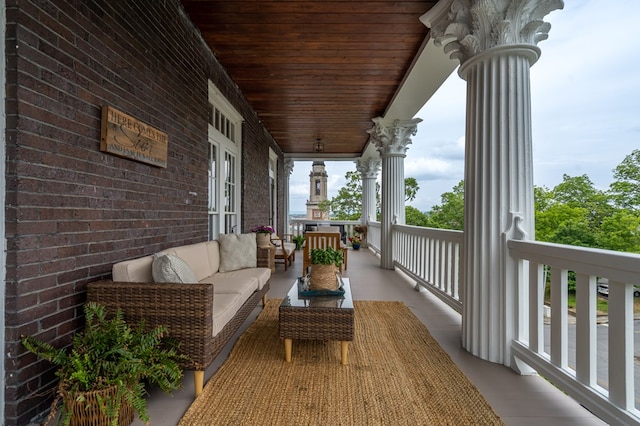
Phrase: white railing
(432, 258)
(611, 398)
(374, 230)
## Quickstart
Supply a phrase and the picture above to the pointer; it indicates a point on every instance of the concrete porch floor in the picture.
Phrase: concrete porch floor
(518, 400)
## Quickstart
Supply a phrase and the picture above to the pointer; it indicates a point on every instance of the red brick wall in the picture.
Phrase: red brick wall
(72, 210)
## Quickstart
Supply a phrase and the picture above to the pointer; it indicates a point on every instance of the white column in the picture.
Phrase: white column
(288, 168)
(392, 143)
(496, 45)
(368, 169)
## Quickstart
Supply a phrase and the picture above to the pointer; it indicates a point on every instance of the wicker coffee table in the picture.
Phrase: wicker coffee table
(317, 318)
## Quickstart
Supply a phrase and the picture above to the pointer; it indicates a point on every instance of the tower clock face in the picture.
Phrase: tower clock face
(317, 214)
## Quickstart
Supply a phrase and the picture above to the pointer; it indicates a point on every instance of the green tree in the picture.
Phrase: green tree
(415, 217)
(572, 212)
(620, 231)
(575, 233)
(411, 188)
(449, 214)
(556, 216)
(625, 190)
(574, 191)
(578, 191)
(542, 197)
(347, 204)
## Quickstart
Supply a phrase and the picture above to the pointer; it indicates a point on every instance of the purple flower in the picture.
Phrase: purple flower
(263, 230)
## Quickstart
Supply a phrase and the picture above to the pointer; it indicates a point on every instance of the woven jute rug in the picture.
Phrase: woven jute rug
(397, 374)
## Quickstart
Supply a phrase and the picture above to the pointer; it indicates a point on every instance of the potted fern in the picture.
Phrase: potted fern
(102, 375)
(324, 265)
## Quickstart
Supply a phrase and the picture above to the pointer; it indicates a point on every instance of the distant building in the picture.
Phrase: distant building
(317, 191)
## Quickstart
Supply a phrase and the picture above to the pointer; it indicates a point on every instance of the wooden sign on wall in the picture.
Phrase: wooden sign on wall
(128, 137)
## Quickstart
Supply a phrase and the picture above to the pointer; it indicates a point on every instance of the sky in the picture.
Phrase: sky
(585, 98)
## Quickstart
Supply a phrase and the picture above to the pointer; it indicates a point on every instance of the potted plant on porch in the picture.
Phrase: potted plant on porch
(263, 235)
(324, 264)
(298, 240)
(355, 241)
(102, 375)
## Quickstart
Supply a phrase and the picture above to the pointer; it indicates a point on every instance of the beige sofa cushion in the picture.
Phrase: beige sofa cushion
(237, 251)
(133, 271)
(197, 257)
(213, 251)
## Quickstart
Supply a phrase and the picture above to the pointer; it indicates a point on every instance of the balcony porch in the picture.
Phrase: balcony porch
(518, 400)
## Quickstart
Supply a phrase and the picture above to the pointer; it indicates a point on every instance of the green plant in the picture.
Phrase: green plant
(109, 352)
(299, 240)
(328, 256)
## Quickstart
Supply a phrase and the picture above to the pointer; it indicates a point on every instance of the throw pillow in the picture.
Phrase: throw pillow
(237, 251)
(169, 268)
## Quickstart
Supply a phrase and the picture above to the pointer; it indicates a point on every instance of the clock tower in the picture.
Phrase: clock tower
(317, 191)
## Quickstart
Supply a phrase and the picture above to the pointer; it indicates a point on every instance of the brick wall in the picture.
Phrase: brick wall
(72, 210)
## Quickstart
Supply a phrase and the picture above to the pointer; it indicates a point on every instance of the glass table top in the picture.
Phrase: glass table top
(295, 300)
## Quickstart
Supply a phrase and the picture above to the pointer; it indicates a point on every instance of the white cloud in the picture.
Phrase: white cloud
(425, 168)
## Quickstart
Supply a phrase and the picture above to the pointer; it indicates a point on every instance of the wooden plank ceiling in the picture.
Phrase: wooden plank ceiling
(314, 69)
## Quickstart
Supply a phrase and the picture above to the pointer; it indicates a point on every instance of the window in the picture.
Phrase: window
(273, 188)
(317, 187)
(224, 169)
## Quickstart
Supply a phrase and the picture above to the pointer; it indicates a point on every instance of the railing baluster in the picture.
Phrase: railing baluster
(559, 318)
(621, 391)
(536, 307)
(586, 343)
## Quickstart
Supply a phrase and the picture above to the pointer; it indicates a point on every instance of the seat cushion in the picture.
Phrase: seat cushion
(225, 306)
(262, 275)
(237, 251)
(169, 268)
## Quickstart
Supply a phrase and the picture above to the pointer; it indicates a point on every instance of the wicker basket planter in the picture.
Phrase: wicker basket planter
(263, 240)
(91, 411)
(107, 364)
(323, 277)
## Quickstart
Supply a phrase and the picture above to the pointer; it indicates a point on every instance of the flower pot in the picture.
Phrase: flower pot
(323, 277)
(356, 246)
(263, 240)
(89, 412)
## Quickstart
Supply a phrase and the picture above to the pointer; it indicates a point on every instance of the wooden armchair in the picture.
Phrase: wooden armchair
(322, 240)
(285, 250)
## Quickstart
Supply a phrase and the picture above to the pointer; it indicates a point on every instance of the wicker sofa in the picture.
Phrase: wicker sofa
(201, 316)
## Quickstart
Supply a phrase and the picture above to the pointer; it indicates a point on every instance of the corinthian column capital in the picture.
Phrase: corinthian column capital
(288, 166)
(466, 28)
(368, 168)
(394, 139)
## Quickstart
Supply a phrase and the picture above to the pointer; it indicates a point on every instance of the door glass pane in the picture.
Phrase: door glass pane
(213, 171)
(230, 183)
